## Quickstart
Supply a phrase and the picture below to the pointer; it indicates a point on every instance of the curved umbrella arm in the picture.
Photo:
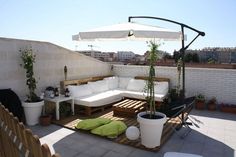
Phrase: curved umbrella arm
(182, 50)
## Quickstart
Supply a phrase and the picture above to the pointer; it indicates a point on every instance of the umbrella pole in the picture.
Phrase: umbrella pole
(183, 61)
(182, 50)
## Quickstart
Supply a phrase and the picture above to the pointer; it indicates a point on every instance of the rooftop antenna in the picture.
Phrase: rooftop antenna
(92, 46)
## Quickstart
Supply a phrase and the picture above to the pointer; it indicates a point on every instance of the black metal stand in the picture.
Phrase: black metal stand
(181, 110)
(182, 50)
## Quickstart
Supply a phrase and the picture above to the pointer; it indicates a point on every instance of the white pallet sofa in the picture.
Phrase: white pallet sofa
(97, 93)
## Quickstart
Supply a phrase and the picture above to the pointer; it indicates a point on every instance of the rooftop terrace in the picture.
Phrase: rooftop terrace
(215, 137)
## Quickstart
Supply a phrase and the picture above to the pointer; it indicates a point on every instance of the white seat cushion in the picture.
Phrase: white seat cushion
(141, 95)
(99, 99)
(161, 87)
(98, 86)
(134, 94)
(97, 93)
(79, 91)
(112, 82)
(136, 85)
(123, 82)
(160, 97)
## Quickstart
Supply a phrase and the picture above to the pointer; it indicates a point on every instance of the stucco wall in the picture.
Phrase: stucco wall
(220, 83)
(51, 59)
(50, 62)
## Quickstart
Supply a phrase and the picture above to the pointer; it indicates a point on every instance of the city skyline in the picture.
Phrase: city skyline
(56, 21)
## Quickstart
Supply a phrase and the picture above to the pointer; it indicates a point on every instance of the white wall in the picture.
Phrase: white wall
(220, 83)
(50, 62)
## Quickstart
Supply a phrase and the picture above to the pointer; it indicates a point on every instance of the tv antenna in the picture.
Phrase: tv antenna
(92, 46)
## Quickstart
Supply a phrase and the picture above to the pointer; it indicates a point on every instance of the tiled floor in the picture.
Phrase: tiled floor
(213, 136)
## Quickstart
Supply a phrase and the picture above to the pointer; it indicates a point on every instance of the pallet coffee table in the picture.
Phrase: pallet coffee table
(128, 107)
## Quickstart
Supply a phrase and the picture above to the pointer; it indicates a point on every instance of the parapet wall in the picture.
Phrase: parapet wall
(49, 66)
(51, 59)
(220, 83)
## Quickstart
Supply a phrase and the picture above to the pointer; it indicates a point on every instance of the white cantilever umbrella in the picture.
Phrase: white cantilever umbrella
(138, 31)
(130, 31)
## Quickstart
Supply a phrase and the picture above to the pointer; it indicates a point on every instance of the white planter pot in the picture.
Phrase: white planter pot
(32, 111)
(151, 129)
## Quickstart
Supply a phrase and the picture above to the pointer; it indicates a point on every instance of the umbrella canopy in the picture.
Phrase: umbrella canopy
(128, 31)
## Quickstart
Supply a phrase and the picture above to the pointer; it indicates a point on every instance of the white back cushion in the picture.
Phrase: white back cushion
(161, 87)
(112, 82)
(79, 91)
(136, 85)
(123, 82)
(98, 86)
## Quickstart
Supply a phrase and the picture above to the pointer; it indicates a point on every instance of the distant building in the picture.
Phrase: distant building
(125, 55)
(219, 55)
(110, 56)
(103, 56)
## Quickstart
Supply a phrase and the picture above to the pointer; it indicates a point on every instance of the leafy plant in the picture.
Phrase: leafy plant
(149, 88)
(212, 100)
(179, 65)
(64, 109)
(200, 97)
(28, 59)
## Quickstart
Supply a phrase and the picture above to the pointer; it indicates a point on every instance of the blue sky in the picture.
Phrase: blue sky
(56, 21)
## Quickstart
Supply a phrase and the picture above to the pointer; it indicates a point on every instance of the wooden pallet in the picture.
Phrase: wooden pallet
(88, 111)
(70, 122)
(128, 108)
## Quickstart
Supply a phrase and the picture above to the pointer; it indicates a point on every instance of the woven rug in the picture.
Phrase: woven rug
(70, 122)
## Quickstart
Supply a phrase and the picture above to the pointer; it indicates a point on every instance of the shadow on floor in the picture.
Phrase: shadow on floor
(204, 140)
(198, 143)
(214, 114)
(80, 144)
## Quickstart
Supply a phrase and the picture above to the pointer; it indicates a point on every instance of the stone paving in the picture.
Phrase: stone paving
(214, 135)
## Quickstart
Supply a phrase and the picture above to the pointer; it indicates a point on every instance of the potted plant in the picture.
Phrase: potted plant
(173, 94)
(45, 119)
(33, 104)
(46, 116)
(179, 91)
(176, 93)
(64, 110)
(211, 105)
(228, 108)
(200, 102)
(151, 122)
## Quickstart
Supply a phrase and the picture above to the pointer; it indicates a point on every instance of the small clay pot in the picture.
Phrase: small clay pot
(200, 105)
(211, 106)
(45, 120)
(228, 108)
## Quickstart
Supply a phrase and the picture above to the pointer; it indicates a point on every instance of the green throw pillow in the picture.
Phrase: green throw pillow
(111, 130)
(90, 124)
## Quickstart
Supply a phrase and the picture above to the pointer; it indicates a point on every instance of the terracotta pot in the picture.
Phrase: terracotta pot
(45, 120)
(211, 106)
(228, 108)
(200, 105)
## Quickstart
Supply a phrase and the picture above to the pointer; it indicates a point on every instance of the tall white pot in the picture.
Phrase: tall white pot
(151, 129)
(32, 111)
